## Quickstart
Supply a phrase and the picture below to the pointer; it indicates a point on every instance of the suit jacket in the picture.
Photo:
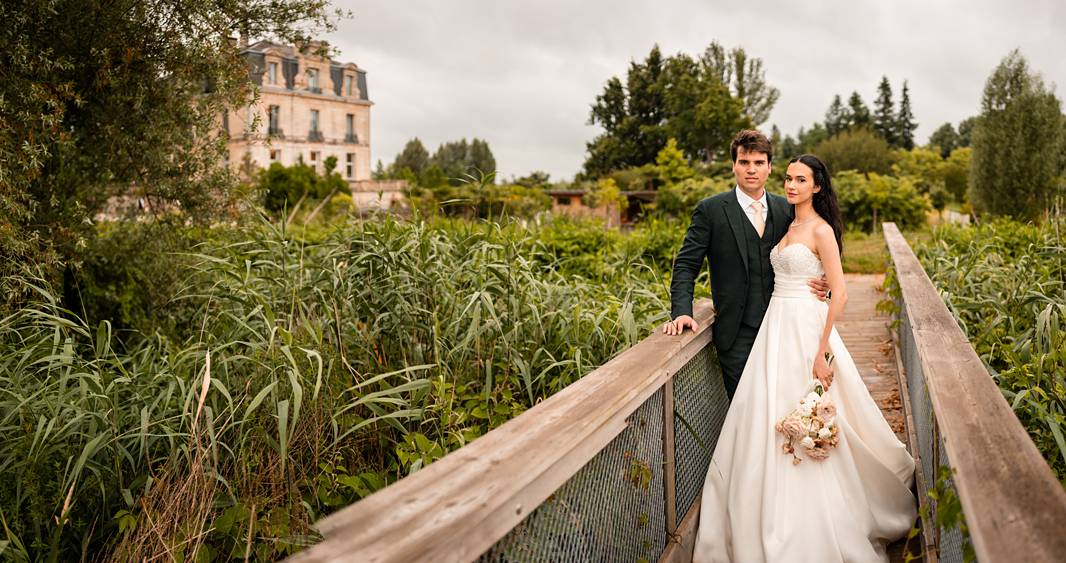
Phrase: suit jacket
(717, 233)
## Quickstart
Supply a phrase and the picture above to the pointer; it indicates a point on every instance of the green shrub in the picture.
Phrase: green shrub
(866, 201)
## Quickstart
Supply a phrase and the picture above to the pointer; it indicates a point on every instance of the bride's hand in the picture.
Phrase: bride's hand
(822, 372)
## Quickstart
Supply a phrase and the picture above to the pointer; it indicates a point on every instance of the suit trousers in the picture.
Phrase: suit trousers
(733, 359)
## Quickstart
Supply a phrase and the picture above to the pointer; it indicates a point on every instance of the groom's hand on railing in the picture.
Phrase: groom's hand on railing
(676, 326)
(819, 287)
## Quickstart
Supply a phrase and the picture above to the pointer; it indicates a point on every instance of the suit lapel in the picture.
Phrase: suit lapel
(736, 217)
(782, 216)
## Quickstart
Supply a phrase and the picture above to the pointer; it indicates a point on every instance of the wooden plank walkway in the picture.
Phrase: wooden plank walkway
(866, 333)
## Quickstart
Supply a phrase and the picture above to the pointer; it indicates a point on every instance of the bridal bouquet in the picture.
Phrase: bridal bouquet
(811, 426)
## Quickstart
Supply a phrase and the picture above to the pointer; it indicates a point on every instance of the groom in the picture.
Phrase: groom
(735, 231)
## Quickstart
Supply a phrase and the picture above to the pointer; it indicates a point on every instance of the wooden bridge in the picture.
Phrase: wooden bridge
(610, 468)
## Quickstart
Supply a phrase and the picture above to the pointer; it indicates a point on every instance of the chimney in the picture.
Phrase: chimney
(243, 43)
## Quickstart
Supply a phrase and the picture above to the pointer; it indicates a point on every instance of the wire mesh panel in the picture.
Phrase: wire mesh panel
(700, 405)
(950, 541)
(613, 509)
(930, 445)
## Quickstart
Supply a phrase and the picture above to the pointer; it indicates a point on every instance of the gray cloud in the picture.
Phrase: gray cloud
(523, 75)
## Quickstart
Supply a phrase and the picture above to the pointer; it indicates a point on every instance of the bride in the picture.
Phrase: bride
(757, 505)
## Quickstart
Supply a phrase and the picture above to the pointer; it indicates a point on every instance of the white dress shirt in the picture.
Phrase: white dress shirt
(745, 204)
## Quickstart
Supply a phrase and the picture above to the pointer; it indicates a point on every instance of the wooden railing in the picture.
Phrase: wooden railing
(461, 506)
(1014, 507)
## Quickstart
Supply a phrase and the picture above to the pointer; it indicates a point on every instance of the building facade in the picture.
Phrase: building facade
(309, 108)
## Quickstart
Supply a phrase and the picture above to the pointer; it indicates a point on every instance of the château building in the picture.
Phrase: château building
(309, 108)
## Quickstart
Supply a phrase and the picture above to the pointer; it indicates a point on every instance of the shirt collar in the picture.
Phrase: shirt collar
(746, 201)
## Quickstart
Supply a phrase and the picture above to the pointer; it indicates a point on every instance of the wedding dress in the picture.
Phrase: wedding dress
(758, 506)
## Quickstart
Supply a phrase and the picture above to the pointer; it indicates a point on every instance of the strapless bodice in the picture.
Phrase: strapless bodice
(793, 266)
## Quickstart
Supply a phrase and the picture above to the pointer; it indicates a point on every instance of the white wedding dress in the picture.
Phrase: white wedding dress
(759, 507)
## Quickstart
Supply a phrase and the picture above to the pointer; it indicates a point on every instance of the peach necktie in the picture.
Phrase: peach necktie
(760, 223)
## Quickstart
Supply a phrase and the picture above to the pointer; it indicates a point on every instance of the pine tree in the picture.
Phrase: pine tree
(836, 117)
(884, 118)
(905, 124)
(858, 112)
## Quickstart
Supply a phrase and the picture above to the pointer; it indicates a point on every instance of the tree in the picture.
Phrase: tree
(858, 113)
(965, 131)
(884, 118)
(632, 117)
(836, 117)
(701, 103)
(702, 115)
(413, 157)
(956, 172)
(673, 167)
(945, 138)
(745, 78)
(379, 172)
(811, 138)
(925, 168)
(1016, 143)
(857, 149)
(480, 158)
(121, 99)
(905, 124)
(535, 179)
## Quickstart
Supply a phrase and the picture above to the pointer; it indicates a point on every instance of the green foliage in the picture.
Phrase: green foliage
(924, 167)
(479, 197)
(680, 199)
(884, 118)
(956, 172)
(672, 165)
(458, 159)
(945, 139)
(131, 275)
(413, 157)
(605, 192)
(867, 201)
(856, 149)
(120, 99)
(1017, 144)
(1004, 281)
(745, 78)
(905, 124)
(340, 361)
(700, 102)
(286, 186)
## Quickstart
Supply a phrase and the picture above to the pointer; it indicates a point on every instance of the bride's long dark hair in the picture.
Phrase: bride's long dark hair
(824, 200)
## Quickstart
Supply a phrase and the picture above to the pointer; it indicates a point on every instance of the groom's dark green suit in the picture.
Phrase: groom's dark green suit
(742, 279)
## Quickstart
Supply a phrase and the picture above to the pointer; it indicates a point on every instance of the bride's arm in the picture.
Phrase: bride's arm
(826, 243)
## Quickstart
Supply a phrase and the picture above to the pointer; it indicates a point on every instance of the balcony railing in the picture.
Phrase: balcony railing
(314, 89)
(351, 138)
(316, 136)
(275, 132)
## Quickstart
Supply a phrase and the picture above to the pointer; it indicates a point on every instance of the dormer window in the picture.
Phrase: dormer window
(312, 80)
(348, 85)
(272, 73)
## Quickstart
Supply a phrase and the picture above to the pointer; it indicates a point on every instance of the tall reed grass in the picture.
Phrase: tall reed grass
(320, 368)
(1005, 282)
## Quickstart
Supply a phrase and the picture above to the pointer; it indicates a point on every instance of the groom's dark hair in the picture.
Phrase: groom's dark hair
(752, 141)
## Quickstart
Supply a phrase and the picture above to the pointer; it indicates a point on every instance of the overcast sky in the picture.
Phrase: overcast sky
(522, 75)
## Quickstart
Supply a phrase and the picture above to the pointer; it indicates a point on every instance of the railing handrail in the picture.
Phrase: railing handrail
(1014, 505)
(459, 506)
